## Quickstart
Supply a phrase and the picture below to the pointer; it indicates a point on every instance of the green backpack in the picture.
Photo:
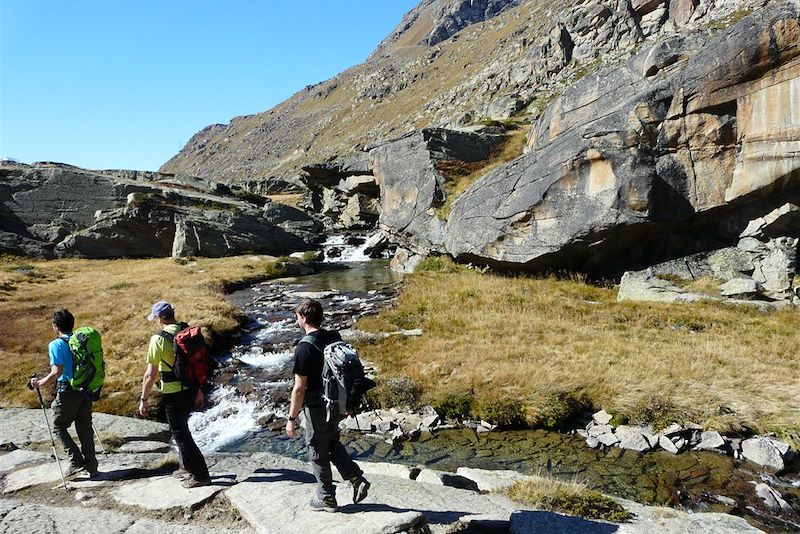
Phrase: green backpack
(88, 367)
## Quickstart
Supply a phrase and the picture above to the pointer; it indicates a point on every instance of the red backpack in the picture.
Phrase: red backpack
(191, 356)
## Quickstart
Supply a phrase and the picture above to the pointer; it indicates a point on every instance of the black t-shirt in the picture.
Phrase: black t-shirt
(308, 358)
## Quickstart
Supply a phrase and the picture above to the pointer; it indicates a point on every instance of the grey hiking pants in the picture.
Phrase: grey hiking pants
(324, 448)
(71, 406)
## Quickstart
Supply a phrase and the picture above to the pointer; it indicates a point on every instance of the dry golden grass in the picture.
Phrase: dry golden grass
(113, 296)
(524, 339)
(291, 199)
(572, 498)
(455, 184)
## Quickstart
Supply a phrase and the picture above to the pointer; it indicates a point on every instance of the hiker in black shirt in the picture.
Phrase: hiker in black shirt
(321, 428)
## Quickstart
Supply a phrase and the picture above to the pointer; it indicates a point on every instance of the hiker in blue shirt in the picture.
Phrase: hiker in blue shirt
(69, 405)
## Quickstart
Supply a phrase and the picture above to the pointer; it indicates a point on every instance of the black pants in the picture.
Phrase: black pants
(178, 407)
(325, 448)
(71, 406)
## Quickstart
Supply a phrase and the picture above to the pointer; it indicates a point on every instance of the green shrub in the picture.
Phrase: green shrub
(399, 391)
(659, 411)
(455, 405)
(500, 410)
(561, 408)
(439, 264)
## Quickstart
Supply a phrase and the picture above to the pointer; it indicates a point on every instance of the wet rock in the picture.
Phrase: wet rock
(767, 452)
(772, 498)
(592, 442)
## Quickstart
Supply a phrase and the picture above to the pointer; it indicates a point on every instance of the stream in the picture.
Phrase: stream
(255, 378)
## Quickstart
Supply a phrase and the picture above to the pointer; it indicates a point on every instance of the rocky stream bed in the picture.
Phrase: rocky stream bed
(255, 380)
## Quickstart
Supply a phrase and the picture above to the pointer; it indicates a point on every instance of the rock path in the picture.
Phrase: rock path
(266, 493)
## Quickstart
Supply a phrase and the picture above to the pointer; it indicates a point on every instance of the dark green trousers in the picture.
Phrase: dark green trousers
(69, 407)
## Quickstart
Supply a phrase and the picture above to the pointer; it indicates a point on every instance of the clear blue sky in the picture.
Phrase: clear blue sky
(125, 83)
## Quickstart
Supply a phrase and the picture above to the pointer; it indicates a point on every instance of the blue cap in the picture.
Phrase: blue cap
(161, 308)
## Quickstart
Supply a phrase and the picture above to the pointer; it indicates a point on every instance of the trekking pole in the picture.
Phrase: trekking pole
(97, 435)
(52, 439)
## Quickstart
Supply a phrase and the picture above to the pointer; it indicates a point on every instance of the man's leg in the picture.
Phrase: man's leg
(65, 408)
(317, 439)
(340, 457)
(83, 426)
(189, 456)
(347, 467)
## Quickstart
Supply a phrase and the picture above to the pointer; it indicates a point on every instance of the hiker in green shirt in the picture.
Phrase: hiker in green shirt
(179, 399)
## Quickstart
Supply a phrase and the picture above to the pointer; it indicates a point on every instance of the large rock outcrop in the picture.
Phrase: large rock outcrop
(54, 210)
(672, 153)
(448, 63)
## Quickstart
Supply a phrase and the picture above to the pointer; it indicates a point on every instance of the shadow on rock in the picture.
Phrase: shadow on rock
(276, 475)
(541, 521)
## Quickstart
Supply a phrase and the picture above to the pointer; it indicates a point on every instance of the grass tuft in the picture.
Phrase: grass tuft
(570, 498)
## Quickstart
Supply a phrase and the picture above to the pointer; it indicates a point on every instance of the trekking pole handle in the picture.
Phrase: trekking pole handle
(30, 382)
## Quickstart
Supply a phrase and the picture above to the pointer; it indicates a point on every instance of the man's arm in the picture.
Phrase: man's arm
(150, 374)
(296, 404)
(55, 370)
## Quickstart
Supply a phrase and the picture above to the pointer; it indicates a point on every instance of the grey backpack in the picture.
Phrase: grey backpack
(343, 381)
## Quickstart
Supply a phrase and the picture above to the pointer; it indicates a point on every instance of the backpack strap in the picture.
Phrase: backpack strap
(311, 340)
(170, 375)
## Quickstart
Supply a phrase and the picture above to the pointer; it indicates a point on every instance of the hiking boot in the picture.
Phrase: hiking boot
(95, 475)
(360, 488)
(181, 474)
(73, 470)
(328, 504)
(192, 482)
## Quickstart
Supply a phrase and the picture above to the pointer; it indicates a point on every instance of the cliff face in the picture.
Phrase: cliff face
(448, 63)
(55, 210)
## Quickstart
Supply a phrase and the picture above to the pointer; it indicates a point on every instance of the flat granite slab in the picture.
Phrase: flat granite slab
(144, 446)
(163, 493)
(23, 426)
(16, 517)
(32, 476)
(19, 458)
(393, 505)
(647, 520)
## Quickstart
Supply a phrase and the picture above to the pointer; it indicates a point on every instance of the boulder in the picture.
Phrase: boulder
(668, 445)
(412, 186)
(626, 168)
(163, 493)
(767, 452)
(631, 438)
(710, 440)
(602, 417)
(773, 499)
(742, 288)
(60, 210)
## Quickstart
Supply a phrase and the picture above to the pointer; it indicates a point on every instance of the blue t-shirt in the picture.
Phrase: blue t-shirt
(61, 355)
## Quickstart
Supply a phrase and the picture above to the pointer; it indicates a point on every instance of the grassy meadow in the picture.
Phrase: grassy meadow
(114, 296)
(539, 350)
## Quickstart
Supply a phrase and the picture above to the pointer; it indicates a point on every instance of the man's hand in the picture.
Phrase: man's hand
(198, 399)
(34, 383)
(291, 429)
(143, 407)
